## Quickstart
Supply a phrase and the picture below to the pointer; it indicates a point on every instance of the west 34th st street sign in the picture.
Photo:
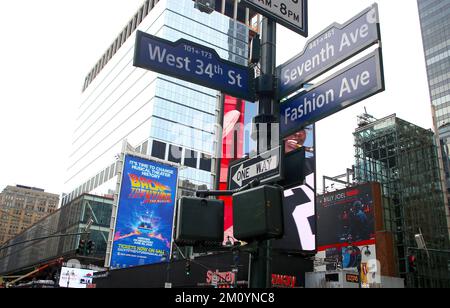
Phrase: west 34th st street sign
(195, 63)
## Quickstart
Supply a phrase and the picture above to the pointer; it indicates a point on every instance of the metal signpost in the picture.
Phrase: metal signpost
(195, 63)
(329, 48)
(265, 167)
(347, 87)
(290, 13)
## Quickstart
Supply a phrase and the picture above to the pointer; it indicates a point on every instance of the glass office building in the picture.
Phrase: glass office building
(158, 115)
(403, 158)
(435, 23)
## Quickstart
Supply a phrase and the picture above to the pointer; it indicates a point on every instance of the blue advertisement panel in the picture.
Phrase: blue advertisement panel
(195, 63)
(146, 205)
(347, 87)
(329, 48)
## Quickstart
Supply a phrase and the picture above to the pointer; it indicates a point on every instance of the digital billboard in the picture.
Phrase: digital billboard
(346, 216)
(300, 194)
(347, 224)
(234, 110)
(143, 229)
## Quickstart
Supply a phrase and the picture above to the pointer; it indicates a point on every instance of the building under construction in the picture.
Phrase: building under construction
(403, 158)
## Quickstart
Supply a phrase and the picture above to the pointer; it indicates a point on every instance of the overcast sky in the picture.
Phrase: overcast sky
(49, 46)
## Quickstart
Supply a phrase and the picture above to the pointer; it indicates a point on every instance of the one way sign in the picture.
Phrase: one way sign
(265, 167)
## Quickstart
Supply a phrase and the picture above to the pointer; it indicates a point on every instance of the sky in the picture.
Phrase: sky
(49, 46)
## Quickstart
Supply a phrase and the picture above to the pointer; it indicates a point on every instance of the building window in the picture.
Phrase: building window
(190, 158)
(159, 149)
(101, 180)
(175, 154)
(96, 180)
(111, 171)
(145, 148)
(205, 162)
(107, 174)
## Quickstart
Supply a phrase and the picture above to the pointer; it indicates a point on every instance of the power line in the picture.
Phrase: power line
(43, 238)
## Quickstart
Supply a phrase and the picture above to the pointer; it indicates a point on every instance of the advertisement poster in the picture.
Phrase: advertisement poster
(346, 231)
(143, 230)
(299, 201)
(76, 278)
(346, 216)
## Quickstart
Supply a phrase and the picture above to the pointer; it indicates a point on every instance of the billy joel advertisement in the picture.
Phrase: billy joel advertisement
(346, 216)
(143, 229)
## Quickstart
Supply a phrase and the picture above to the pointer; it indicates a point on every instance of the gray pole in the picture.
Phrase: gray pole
(260, 266)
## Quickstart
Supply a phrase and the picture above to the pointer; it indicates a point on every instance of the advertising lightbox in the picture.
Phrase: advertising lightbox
(143, 229)
(300, 193)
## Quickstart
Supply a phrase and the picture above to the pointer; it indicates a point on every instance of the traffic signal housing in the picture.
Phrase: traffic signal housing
(81, 250)
(90, 247)
(412, 262)
(199, 221)
(187, 268)
(258, 213)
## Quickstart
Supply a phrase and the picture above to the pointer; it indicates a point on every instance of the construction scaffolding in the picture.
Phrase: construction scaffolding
(403, 158)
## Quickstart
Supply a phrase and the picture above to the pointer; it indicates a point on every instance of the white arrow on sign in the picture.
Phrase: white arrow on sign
(255, 170)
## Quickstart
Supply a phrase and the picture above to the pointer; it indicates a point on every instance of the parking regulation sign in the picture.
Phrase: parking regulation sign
(293, 14)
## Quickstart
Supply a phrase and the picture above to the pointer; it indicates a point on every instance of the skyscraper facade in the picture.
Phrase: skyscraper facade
(435, 24)
(21, 207)
(158, 115)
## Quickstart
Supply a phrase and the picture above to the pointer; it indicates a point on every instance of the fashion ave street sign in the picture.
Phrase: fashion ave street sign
(195, 63)
(345, 88)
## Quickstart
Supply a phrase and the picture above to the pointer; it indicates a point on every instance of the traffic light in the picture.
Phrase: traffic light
(81, 247)
(90, 247)
(187, 268)
(412, 264)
